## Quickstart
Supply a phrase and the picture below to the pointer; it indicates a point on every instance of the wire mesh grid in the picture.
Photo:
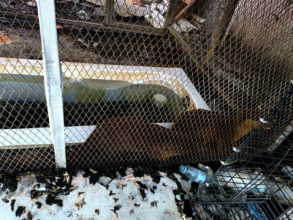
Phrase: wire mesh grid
(239, 79)
(24, 121)
(258, 184)
(131, 65)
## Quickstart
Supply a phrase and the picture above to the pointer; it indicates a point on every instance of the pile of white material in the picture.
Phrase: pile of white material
(122, 199)
(154, 12)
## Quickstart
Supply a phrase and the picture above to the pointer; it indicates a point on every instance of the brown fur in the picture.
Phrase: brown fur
(123, 135)
(199, 127)
(189, 134)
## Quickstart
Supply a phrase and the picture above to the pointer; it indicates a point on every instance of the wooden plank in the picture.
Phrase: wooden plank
(170, 12)
(184, 10)
(222, 27)
(115, 26)
(137, 29)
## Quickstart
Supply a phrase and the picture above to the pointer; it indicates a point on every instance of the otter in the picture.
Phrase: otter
(190, 134)
(199, 127)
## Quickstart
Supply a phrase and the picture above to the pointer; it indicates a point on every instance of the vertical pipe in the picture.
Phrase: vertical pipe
(109, 11)
(53, 79)
(170, 12)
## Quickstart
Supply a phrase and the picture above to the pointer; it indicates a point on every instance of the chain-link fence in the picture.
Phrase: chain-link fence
(24, 138)
(144, 82)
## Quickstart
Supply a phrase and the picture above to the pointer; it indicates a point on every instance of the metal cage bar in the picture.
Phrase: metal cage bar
(53, 78)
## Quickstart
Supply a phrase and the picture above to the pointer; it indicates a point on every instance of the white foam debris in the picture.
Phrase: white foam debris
(206, 169)
(104, 180)
(129, 171)
(121, 200)
(185, 183)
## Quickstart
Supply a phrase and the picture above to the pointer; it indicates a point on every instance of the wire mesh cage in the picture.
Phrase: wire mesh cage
(155, 82)
(237, 78)
(144, 82)
(23, 103)
(258, 182)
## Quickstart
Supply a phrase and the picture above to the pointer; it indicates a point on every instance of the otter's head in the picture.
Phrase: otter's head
(244, 127)
(248, 120)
